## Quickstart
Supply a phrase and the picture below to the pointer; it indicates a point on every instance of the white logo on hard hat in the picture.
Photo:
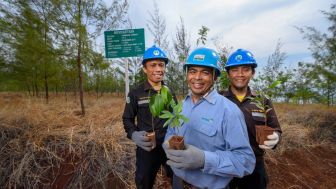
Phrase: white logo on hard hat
(239, 57)
(199, 57)
(156, 52)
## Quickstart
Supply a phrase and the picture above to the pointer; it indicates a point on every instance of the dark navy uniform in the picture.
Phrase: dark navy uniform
(147, 163)
(254, 116)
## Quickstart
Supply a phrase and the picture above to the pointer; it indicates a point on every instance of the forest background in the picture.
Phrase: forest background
(50, 46)
(61, 100)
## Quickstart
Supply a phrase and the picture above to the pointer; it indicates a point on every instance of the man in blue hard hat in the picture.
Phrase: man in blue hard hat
(148, 159)
(215, 137)
(240, 68)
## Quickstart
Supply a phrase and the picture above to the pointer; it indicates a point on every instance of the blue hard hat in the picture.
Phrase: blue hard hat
(241, 57)
(154, 53)
(204, 57)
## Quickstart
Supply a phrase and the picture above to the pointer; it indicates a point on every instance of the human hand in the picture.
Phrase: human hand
(190, 158)
(273, 139)
(141, 140)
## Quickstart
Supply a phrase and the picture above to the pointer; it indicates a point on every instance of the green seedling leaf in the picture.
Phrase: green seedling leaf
(152, 106)
(162, 105)
(176, 122)
(168, 122)
(184, 118)
(166, 95)
(178, 108)
(166, 115)
(156, 105)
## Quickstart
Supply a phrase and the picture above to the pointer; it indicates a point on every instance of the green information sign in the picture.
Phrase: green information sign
(124, 43)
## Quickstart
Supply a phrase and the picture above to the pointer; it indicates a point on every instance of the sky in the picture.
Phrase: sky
(255, 25)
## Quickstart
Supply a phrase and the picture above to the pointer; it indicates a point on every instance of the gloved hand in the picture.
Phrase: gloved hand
(141, 140)
(190, 158)
(165, 145)
(273, 139)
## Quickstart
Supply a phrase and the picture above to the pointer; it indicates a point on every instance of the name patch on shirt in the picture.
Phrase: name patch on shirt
(258, 114)
(146, 101)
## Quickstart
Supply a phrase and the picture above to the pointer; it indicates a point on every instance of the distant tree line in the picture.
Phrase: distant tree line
(50, 46)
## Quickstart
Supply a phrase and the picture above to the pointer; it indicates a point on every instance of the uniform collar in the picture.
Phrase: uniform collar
(210, 97)
(148, 86)
(229, 93)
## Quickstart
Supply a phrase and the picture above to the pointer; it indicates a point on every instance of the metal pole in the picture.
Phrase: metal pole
(126, 79)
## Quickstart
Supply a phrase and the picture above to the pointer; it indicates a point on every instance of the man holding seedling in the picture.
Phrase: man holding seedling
(149, 158)
(215, 137)
(240, 69)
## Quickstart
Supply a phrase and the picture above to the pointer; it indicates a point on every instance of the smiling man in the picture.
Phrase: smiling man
(216, 140)
(148, 159)
(241, 68)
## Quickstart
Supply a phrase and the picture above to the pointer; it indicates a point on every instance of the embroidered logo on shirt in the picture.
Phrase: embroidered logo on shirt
(208, 120)
(128, 100)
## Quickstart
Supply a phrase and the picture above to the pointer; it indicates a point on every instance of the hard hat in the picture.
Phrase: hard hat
(154, 53)
(241, 57)
(204, 57)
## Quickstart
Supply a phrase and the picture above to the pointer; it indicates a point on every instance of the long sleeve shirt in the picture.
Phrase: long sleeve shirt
(255, 116)
(216, 126)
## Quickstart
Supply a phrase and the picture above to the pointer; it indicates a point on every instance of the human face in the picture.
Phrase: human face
(154, 69)
(240, 76)
(200, 80)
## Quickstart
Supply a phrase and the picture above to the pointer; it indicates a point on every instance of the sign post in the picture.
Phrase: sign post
(124, 43)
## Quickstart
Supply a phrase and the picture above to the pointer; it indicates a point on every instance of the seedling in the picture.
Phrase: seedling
(162, 105)
(259, 99)
(262, 131)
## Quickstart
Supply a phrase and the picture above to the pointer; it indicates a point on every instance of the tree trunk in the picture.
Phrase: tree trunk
(45, 68)
(46, 84)
(79, 65)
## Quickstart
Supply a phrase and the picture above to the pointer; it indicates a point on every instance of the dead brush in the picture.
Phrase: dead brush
(306, 125)
(48, 146)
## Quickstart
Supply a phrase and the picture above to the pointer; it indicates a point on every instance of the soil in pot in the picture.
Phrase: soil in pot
(176, 143)
(262, 131)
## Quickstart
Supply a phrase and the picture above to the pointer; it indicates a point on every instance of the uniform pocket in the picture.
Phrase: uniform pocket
(206, 129)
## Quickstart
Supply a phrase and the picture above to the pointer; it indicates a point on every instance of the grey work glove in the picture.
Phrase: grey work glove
(190, 158)
(271, 141)
(141, 140)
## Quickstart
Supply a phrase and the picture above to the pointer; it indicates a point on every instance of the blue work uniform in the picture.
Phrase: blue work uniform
(216, 126)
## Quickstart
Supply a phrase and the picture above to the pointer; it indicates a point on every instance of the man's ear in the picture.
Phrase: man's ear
(144, 69)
